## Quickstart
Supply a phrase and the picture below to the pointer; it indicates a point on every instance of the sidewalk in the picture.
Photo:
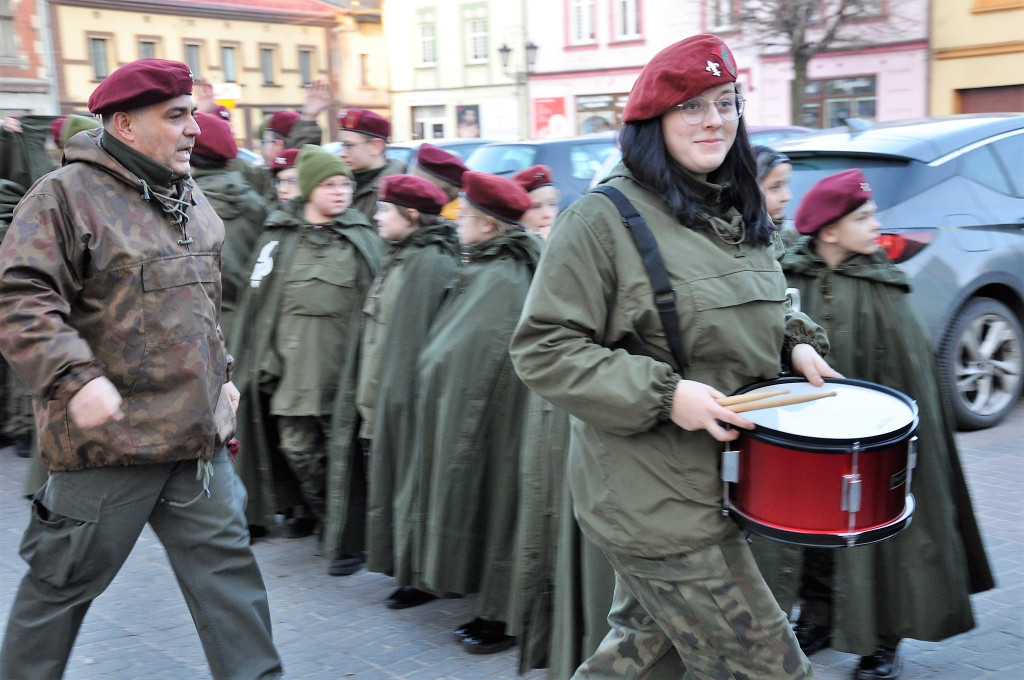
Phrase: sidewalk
(329, 628)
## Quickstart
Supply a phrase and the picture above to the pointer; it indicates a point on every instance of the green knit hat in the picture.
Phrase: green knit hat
(75, 124)
(316, 164)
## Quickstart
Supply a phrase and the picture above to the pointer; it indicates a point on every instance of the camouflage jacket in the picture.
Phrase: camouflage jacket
(97, 278)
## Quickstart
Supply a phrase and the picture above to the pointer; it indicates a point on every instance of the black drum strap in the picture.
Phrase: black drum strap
(664, 295)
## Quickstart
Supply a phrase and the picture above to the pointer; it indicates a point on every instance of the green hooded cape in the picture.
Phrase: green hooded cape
(469, 418)
(397, 315)
(917, 583)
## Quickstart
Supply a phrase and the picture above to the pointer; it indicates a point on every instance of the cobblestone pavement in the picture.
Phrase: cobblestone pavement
(330, 628)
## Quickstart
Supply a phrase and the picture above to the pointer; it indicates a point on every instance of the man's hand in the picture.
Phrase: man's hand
(12, 124)
(694, 408)
(806, 361)
(96, 404)
(232, 394)
(318, 97)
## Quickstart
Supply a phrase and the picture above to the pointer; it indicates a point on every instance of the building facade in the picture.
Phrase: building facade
(259, 54)
(25, 69)
(977, 56)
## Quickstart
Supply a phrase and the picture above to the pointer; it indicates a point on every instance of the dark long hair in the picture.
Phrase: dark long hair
(645, 154)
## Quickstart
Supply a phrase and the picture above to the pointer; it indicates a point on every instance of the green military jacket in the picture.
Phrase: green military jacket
(285, 266)
(916, 584)
(397, 314)
(243, 213)
(365, 197)
(469, 417)
(642, 485)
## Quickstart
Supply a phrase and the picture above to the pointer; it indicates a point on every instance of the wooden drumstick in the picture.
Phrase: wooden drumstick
(749, 396)
(780, 401)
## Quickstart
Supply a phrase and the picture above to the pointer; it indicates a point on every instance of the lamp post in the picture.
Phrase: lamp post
(529, 58)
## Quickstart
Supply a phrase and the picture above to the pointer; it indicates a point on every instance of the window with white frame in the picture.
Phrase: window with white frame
(228, 63)
(626, 19)
(147, 49)
(192, 58)
(581, 22)
(426, 49)
(872, 8)
(476, 41)
(267, 65)
(8, 48)
(722, 15)
(306, 66)
(98, 58)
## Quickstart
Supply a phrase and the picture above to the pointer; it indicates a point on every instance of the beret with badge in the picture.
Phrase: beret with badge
(440, 163)
(496, 196)
(412, 192)
(141, 83)
(831, 198)
(286, 160)
(678, 73)
(534, 177)
(215, 140)
(365, 121)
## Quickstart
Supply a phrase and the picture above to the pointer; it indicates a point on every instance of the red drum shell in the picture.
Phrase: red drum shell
(791, 488)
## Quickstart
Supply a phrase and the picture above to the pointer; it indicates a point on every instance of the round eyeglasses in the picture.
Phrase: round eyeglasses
(728, 106)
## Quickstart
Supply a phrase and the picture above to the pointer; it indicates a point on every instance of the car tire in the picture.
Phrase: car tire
(980, 363)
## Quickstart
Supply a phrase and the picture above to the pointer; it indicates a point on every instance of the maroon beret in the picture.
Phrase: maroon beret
(831, 198)
(215, 140)
(141, 83)
(440, 163)
(283, 121)
(678, 73)
(367, 122)
(222, 111)
(284, 161)
(412, 192)
(55, 127)
(534, 177)
(495, 195)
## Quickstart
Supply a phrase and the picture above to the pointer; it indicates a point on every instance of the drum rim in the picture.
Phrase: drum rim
(815, 445)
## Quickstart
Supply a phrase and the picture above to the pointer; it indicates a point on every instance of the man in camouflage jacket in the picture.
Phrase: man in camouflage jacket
(110, 301)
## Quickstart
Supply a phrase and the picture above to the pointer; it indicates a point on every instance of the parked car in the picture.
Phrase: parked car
(573, 161)
(406, 151)
(950, 195)
(250, 155)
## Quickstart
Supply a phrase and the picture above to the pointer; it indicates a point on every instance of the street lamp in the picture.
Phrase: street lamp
(530, 58)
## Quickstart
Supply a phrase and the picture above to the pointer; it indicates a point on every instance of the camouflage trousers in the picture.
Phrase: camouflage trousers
(711, 605)
(303, 443)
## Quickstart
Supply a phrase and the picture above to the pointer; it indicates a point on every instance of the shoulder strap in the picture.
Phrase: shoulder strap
(664, 295)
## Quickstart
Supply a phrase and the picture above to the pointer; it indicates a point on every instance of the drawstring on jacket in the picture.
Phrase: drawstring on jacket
(204, 472)
(174, 207)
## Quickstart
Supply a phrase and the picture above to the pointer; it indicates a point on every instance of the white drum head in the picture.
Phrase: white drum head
(855, 412)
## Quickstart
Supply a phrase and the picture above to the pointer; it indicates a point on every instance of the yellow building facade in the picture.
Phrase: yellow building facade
(977, 60)
(260, 55)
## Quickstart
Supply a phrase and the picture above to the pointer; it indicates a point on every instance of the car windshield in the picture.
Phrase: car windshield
(885, 175)
(503, 159)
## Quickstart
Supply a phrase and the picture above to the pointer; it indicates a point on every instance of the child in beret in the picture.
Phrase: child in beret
(470, 412)
(422, 259)
(643, 463)
(544, 198)
(916, 584)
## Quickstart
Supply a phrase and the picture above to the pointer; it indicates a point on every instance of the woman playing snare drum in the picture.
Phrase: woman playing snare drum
(643, 460)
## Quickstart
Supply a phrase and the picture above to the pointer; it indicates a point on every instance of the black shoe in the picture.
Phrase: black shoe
(812, 637)
(884, 664)
(298, 527)
(406, 597)
(348, 564)
(256, 531)
(469, 628)
(489, 639)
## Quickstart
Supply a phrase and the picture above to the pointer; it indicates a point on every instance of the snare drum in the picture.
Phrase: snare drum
(827, 473)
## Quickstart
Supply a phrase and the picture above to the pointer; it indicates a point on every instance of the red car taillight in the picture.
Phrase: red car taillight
(903, 246)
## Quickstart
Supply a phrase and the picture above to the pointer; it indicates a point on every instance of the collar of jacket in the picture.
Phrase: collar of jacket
(802, 259)
(140, 165)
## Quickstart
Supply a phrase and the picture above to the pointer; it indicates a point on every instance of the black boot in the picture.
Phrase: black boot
(884, 664)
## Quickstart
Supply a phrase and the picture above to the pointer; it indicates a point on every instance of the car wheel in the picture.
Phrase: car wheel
(980, 363)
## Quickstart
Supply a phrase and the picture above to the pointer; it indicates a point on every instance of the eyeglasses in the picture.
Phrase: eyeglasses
(346, 185)
(728, 106)
(286, 182)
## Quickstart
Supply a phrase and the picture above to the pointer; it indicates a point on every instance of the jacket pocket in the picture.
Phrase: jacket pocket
(323, 290)
(57, 547)
(180, 298)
